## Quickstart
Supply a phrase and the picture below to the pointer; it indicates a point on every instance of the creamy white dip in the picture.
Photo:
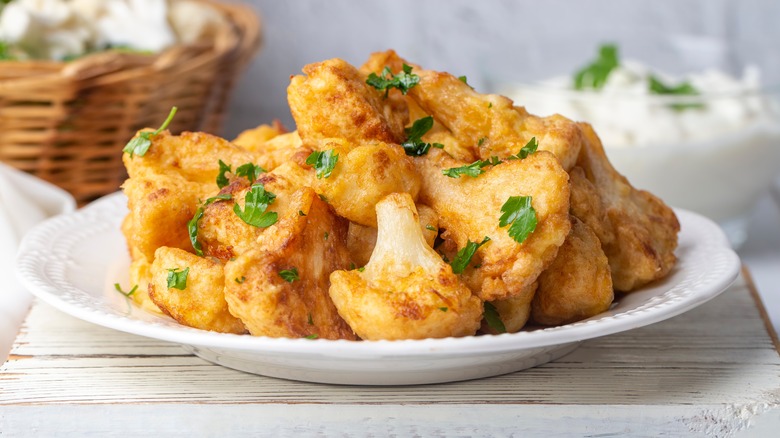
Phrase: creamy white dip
(714, 157)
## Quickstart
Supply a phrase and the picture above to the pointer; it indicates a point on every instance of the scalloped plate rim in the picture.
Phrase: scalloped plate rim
(600, 325)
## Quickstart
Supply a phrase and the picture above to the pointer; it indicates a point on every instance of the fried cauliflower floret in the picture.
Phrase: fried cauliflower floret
(406, 290)
(469, 209)
(363, 175)
(223, 234)
(490, 124)
(333, 100)
(160, 207)
(201, 304)
(274, 152)
(194, 156)
(514, 312)
(253, 139)
(280, 288)
(578, 284)
(361, 239)
(638, 232)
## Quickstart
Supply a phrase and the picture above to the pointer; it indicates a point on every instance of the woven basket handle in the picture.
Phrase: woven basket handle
(103, 63)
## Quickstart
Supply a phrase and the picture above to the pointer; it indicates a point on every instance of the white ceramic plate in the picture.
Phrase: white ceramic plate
(72, 262)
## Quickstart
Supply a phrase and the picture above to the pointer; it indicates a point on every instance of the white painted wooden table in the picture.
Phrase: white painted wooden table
(714, 371)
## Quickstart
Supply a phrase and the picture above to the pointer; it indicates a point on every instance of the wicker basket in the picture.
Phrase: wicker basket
(68, 122)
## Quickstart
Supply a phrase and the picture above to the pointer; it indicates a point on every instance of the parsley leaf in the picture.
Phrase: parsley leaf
(222, 179)
(414, 145)
(463, 79)
(140, 145)
(256, 202)
(464, 256)
(192, 225)
(444, 309)
(473, 170)
(431, 228)
(594, 75)
(481, 141)
(683, 89)
(128, 293)
(289, 275)
(658, 87)
(314, 336)
(387, 80)
(240, 280)
(526, 150)
(178, 279)
(250, 171)
(323, 161)
(493, 319)
(518, 212)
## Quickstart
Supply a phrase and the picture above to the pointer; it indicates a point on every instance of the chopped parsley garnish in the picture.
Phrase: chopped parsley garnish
(481, 141)
(128, 293)
(595, 74)
(473, 170)
(387, 80)
(140, 145)
(463, 79)
(289, 275)
(683, 89)
(325, 236)
(493, 319)
(314, 336)
(518, 213)
(222, 179)
(430, 227)
(192, 225)
(178, 279)
(361, 269)
(301, 213)
(256, 202)
(464, 256)
(526, 150)
(323, 161)
(240, 280)
(414, 145)
(309, 320)
(490, 105)
(658, 87)
(444, 309)
(250, 171)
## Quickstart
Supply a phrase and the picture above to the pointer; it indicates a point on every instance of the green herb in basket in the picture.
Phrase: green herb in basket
(139, 145)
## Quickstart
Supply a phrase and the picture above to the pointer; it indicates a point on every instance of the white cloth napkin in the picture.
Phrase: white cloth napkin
(24, 201)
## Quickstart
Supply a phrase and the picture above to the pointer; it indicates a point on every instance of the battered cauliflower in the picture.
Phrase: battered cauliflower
(333, 100)
(577, 285)
(363, 175)
(199, 300)
(224, 235)
(638, 232)
(280, 288)
(469, 209)
(487, 124)
(406, 290)
(194, 156)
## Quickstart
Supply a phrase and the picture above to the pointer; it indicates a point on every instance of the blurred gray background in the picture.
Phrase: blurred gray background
(498, 41)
